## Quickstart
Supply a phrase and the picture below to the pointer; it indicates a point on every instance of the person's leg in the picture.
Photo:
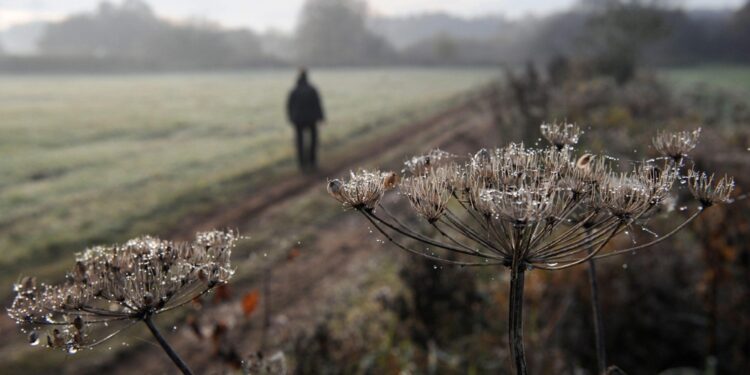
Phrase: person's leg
(314, 146)
(299, 142)
(306, 147)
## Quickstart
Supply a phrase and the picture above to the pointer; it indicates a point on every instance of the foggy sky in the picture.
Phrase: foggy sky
(282, 14)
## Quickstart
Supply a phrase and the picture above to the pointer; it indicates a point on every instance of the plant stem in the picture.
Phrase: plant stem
(167, 348)
(601, 350)
(515, 317)
(266, 307)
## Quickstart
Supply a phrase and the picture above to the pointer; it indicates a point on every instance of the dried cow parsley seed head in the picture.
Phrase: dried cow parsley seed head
(585, 175)
(706, 190)
(456, 177)
(624, 197)
(363, 190)
(561, 135)
(525, 204)
(428, 195)
(335, 188)
(519, 206)
(655, 181)
(482, 165)
(676, 145)
(424, 163)
(113, 287)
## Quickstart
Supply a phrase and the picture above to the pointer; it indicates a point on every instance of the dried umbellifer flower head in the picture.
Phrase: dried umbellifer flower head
(516, 193)
(625, 197)
(457, 178)
(676, 145)
(430, 194)
(482, 165)
(586, 174)
(363, 190)
(657, 182)
(707, 190)
(561, 135)
(113, 287)
(335, 188)
(524, 204)
(424, 163)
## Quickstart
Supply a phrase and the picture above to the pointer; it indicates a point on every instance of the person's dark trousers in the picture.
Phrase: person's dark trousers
(306, 141)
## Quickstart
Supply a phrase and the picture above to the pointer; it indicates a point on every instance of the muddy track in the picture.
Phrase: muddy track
(261, 199)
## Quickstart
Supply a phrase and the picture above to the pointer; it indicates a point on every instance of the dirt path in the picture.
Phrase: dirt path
(256, 203)
(337, 256)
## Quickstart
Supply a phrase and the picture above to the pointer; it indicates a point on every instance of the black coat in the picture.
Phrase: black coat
(303, 106)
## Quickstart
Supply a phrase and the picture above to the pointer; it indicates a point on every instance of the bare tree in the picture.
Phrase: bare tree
(335, 32)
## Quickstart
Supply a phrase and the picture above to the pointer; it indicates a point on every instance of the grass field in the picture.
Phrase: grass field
(736, 78)
(93, 159)
(90, 159)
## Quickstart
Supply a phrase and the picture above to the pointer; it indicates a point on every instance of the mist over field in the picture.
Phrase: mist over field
(131, 36)
(375, 187)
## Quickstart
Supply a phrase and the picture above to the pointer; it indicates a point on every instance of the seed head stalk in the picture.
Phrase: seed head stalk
(599, 334)
(167, 348)
(515, 317)
(562, 136)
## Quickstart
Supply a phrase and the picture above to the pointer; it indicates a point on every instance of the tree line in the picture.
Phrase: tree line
(130, 36)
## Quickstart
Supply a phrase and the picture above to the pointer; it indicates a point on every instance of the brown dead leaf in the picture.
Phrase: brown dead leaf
(250, 302)
(294, 253)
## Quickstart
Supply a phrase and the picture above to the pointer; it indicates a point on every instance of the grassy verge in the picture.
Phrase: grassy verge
(728, 77)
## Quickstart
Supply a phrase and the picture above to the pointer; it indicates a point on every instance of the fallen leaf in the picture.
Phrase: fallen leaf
(293, 254)
(250, 302)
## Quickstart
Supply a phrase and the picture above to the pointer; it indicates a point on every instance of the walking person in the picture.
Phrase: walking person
(305, 112)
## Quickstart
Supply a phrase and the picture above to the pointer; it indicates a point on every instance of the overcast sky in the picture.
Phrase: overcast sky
(282, 14)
